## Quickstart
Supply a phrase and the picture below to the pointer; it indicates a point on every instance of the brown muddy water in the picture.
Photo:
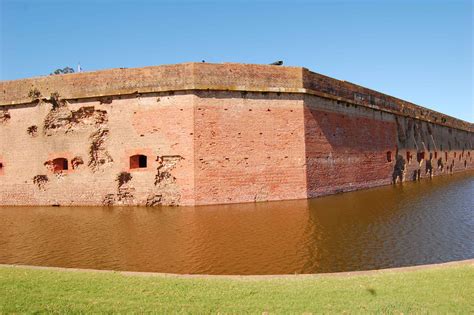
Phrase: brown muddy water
(426, 222)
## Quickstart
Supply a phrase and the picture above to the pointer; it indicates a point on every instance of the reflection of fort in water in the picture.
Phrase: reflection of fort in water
(409, 224)
(198, 133)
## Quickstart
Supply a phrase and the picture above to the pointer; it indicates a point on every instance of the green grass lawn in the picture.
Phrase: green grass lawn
(434, 290)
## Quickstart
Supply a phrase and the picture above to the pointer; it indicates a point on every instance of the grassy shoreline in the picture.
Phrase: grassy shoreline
(446, 289)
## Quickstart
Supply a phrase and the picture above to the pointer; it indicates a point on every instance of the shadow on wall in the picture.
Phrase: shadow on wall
(346, 150)
(431, 149)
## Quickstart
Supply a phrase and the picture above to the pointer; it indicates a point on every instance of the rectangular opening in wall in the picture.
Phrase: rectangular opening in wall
(60, 164)
(142, 161)
(138, 161)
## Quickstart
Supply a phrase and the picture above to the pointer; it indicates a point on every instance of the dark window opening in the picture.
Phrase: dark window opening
(446, 156)
(138, 161)
(420, 156)
(1, 165)
(436, 154)
(60, 164)
(389, 156)
(142, 161)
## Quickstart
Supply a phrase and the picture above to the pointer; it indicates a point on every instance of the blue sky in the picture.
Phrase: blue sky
(420, 51)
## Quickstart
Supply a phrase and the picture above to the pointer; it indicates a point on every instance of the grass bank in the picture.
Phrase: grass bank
(448, 289)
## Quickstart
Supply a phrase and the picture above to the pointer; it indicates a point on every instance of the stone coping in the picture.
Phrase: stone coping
(467, 262)
(213, 77)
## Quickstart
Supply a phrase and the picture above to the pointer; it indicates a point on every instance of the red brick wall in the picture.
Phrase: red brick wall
(363, 96)
(158, 126)
(248, 147)
(345, 151)
(218, 147)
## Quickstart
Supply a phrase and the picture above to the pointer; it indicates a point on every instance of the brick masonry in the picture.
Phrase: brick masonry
(194, 134)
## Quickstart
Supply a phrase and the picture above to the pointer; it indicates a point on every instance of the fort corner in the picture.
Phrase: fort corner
(199, 133)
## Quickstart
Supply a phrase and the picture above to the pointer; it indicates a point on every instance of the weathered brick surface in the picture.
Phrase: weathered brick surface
(98, 83)
(167, 131)
(186, 76)
(346, 149)
(213, 134)
(359, 95)
(249, 147)
(434, 149)
(205, 76)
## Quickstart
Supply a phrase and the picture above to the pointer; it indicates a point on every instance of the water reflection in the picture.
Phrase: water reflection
(417, 223)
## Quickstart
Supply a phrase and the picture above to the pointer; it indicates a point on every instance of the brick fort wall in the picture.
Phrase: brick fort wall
(194, 134)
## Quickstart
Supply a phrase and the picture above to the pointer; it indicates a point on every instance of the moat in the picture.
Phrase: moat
(425, 222)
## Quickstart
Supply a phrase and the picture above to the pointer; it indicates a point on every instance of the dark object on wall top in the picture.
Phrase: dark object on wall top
(277, 63)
